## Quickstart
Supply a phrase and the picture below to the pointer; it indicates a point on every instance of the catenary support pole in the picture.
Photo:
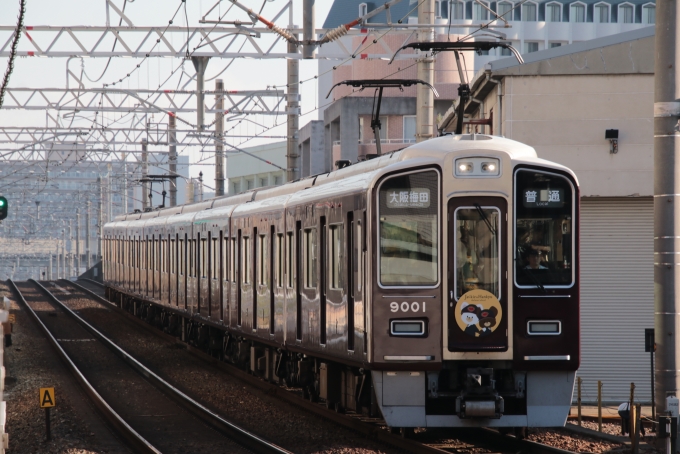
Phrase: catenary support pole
(200, 63)
(172, 157)
(219, 132)
(424, 96)
(292, 152)
(145, 172)
(308, 26)
(58, 262)
(88, 248)
(666, 202)
(100, 221)
(77, 241)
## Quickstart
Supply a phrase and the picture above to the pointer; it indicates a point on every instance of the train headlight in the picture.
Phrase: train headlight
(489, 167)
(465, 168)
(477, 167)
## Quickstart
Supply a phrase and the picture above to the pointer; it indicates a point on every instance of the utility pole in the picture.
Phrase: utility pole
(145, 171)
(58, 262)
(200, 63)
(77, 241)
(666, 203)
(172, 157)
(424, 96)
(219, 132)
(293, 107)
(308, 26)
(88, 250)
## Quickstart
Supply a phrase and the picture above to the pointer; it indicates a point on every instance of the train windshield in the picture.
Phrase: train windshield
(543, 229)
(409, 230)
(477, 244)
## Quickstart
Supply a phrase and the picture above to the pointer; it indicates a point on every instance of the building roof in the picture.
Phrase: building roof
(344, 11)
(560, 60)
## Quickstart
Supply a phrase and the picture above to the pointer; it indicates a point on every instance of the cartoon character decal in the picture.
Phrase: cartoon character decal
(478, 313)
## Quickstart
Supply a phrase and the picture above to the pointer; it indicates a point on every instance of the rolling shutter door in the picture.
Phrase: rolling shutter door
(617, 297)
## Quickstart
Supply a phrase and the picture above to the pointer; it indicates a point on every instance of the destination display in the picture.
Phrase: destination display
(547, 198)
(408, 198)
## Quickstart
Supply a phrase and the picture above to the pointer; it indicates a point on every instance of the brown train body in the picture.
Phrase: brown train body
(351, 284)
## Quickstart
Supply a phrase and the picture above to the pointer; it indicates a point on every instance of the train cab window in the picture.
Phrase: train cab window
(409, 230)
(544, 247)
(335, 256)
(310, 258)
(477, 249)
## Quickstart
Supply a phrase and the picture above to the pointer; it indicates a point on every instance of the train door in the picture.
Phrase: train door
(478, 287)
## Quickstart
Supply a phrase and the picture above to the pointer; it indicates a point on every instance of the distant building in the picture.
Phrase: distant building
(245, 172)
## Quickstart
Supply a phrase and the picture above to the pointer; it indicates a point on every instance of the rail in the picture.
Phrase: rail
(135, 440)
(238, 434)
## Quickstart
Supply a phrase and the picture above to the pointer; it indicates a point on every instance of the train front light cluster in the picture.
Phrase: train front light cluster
(477, 167)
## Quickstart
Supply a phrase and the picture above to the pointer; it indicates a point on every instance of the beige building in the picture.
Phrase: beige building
(562, 101)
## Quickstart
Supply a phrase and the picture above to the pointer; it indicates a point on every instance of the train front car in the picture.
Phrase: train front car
(475, 298)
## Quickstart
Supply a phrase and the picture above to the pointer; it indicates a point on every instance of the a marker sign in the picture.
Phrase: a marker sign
(47, 399)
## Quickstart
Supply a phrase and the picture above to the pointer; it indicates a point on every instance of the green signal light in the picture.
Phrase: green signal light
(2, 203)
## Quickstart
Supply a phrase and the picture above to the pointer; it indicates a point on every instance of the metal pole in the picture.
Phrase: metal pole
(100, 221)
(293, 107)
(109, 193)
(580, 382)
(145, 172)
(666, 201)
(172, 157)
(125, 183)
(200, 186)
(599, 406)
(69, 249)
(631, 416)
(200, 63)
(219, 132)
(58, 262)
(424, 96)
(49, 269)
(87, 235)
(651, 364)
(308, 26)
(77, 241)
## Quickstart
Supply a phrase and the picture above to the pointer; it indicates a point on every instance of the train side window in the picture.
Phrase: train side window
(290, 264)
(279, 260)
(215, 258)
(190, 259)
(173, 256)
(204, 257)
(225, 259)
(360, 249)
(245, 259)
(335, 256)
(262, 256)
(232, 262)
(310, 258)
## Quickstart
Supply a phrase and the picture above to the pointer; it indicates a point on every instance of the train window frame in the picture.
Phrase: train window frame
(376, 200)
(499, 237)
(574, 226)
(310, 245)
(335, 236)
(215, 255)
(232, 261)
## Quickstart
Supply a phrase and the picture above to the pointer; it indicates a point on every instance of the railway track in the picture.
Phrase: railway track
(151, 415)
(430, 442)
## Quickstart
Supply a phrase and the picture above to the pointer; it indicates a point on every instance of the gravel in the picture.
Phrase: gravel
(31, 364)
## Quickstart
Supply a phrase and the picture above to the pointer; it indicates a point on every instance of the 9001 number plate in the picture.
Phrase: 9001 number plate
(408, 307)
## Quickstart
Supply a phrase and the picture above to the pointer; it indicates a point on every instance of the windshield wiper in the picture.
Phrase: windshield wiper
(485, 219)
(533, 278)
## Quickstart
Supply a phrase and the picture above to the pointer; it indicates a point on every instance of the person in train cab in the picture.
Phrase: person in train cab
(534, 259)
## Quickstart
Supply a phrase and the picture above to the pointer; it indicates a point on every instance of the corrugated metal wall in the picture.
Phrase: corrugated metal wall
(617, 296)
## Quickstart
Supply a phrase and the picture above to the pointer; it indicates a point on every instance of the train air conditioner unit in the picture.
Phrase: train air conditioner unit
(479, 399)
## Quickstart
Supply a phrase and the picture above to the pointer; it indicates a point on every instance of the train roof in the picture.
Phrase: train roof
(357, 176)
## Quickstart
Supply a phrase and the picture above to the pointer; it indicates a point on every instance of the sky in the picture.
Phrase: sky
(242, 74)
